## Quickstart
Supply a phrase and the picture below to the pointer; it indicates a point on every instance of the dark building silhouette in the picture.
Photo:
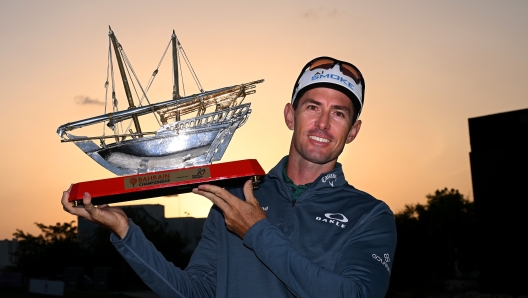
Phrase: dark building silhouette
(190, 228)
(499, 170)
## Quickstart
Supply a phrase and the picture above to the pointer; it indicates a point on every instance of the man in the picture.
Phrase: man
(318, 235)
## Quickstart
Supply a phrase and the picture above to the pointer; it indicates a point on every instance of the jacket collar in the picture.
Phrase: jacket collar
(328, 180)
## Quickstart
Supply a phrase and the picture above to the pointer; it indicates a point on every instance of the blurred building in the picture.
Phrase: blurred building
(499, 170)
(189, 228)
(7, 248)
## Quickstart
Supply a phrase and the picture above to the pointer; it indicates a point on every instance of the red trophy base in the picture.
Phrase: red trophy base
(163, 183)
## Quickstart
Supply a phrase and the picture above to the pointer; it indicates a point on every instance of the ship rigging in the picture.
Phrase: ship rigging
(193, 130)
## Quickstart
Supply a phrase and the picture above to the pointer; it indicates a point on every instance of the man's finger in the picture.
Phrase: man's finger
(218, 201)
(248, 192)
(65, 197)
(216, 190)
(67, 206)
(87, 202)
(219, 193)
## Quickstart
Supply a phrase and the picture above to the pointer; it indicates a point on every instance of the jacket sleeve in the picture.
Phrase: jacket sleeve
(362, 270)
(165, 279)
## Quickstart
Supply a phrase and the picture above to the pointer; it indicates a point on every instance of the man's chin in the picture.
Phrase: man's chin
(320, 159)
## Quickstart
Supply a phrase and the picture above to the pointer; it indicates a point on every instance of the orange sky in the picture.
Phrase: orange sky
(429, 66)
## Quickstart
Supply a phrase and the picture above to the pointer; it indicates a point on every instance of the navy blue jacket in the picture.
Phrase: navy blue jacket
(333, 241)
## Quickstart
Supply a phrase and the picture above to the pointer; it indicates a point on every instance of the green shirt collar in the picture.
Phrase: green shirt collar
(297, 190)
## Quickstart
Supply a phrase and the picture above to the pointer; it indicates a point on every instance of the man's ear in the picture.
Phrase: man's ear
(289, 116)
(353, 131)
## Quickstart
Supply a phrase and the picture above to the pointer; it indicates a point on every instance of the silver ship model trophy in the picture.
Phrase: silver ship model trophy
(194, 131)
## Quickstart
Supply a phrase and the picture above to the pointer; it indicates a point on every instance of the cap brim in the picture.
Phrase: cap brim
(355, 101)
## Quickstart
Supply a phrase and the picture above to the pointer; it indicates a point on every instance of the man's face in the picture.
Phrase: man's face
(322, 125)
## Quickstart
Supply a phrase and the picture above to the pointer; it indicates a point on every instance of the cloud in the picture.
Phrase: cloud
(320, 13)
(85, 100)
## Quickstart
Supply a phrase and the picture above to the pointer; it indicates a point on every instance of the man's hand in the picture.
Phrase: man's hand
(112, 218)
(239, 215)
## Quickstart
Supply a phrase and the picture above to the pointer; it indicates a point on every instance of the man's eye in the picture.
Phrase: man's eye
(312, 107)
(340, 114)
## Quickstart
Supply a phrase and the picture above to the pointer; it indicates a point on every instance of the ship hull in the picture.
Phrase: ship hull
(197, 141)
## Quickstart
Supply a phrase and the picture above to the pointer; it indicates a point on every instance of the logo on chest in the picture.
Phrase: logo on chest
(330, 178)
(336, 219)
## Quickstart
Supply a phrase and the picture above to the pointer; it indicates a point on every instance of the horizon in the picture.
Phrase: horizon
(428, 67)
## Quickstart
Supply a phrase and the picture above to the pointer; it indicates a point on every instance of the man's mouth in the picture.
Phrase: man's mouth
(319, 139)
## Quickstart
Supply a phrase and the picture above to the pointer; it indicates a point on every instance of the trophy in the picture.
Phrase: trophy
(194, 131)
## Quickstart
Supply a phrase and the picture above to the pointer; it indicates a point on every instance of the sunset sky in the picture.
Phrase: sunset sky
(428, 66)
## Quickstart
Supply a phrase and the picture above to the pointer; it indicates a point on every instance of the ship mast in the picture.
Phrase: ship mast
(176, 85)
(125, 80)
(175, 88)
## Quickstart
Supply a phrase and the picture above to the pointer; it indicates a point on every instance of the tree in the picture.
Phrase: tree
(435, 240)
(45, 255)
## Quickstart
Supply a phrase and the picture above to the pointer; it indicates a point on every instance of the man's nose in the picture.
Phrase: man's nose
(323, 122)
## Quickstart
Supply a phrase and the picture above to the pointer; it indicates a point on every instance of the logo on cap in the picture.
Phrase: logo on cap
(332, 76)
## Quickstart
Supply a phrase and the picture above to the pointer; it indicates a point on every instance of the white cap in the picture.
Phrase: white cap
(330, 78)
